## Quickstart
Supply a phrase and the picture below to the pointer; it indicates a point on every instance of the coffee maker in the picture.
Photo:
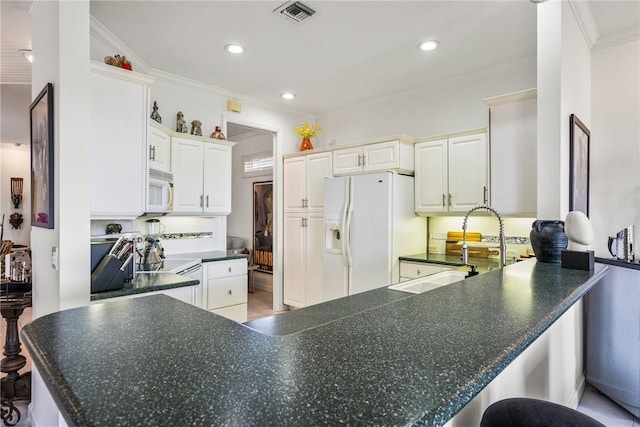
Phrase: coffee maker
(621, 246)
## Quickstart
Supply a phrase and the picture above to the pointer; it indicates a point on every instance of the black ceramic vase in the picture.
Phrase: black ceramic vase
(548, 240)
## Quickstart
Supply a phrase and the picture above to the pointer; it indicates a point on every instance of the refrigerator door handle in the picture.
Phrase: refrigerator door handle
(346, 239)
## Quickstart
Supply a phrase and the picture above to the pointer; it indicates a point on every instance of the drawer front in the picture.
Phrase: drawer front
(237, 313)
(412, 270)
(225, 292)
(228, 268)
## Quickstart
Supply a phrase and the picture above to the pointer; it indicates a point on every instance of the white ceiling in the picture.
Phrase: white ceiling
(348, 53)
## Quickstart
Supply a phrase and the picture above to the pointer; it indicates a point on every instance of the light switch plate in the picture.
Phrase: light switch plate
(54, 257)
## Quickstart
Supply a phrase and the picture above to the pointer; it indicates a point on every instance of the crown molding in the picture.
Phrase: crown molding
(624, 35)
(470, 77)
(106, 37)
(222, 91)
(584, 17)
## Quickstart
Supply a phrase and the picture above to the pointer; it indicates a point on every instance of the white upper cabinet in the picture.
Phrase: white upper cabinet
(118, 121)
(431, 176)
(451, 174)
(304, 182)
(468, 179)
(158, 147)
(395, 154)
(217, 179)
(513, 140)
(202, 176)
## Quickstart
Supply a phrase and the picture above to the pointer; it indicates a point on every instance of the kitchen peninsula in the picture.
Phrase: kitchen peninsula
(389, 358)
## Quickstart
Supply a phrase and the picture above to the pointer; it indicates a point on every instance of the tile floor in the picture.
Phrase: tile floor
(592, 403)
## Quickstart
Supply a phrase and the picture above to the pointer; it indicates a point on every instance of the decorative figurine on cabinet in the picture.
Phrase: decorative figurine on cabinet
(155, 115)
(181, 124)
(217, 134)
(196, 128)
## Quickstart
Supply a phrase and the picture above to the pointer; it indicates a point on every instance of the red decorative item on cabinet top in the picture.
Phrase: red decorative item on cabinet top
(306, 144)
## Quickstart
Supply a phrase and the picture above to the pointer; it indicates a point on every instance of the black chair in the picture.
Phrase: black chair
(523, 412)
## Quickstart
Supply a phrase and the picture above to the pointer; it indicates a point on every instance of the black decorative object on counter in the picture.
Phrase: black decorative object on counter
(548, 240)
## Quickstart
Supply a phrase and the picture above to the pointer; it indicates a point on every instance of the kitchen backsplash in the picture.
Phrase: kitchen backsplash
(181, 234)
(516, 231)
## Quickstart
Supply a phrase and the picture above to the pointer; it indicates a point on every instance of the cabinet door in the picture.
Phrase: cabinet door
(381, 156)
(468, 172)
(158, 149)
(217, 179)
(187, 175)
(294, 260)
(237, 313)
(413, 270)
(117, 147)
(294, 184)
(347, 160)
(314, 258)
(318, 168)
(513, 157)
(431, 176)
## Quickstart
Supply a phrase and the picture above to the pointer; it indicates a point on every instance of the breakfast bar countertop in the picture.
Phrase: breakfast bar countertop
(388, 359)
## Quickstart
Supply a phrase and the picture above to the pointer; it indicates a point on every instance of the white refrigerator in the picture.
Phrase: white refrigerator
(370, 221)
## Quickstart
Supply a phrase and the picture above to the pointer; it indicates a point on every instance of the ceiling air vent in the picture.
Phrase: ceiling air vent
(295, 11)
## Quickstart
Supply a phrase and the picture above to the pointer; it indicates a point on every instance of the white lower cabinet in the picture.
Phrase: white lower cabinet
(412, 270)
(303, 255)
(225, 291)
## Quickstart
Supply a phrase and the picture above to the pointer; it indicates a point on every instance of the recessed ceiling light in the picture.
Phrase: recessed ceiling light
(429, 45)
(288, 95)
(234, 48)
(27, 54)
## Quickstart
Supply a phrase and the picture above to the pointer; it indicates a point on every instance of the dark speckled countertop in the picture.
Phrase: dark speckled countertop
(148, 282)
(151, 282)
(386, 359)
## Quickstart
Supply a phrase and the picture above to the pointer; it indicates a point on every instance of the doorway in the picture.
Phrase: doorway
(251, 217)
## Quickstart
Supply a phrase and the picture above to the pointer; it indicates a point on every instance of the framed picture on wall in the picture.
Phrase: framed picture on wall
(579, 140)
(42, 159)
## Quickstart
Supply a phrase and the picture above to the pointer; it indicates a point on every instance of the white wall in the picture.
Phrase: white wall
(564, 86)
(240, 221)
(615, 142)
(429, 110)
(15, 163)
(14, 113)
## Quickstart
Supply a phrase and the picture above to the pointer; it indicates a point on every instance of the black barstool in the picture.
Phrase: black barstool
(524, 412)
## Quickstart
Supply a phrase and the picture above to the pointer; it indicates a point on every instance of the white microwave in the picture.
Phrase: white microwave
(159, 192)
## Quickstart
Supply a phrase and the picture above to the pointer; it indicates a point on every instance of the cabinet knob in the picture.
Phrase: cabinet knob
(444, 203)
(229, 269)
(207, 200)
(152, 152)
(419, 272)
(449, 199)
(201, 201)
(486, 199)
(230, 293)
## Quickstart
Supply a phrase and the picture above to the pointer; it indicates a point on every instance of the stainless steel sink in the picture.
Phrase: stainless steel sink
(429, 283)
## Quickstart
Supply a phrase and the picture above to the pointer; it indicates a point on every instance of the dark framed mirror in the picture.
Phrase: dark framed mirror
(263, 225)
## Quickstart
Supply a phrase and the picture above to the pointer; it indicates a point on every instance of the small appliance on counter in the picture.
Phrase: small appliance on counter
(621, 246)
(154, 226)
(151, 256)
